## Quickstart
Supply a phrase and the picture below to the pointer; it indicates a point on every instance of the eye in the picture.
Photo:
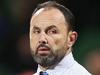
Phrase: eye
(52, 31)
(36, 31)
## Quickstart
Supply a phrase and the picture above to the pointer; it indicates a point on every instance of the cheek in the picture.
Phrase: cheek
(33, 42)
(59, 41)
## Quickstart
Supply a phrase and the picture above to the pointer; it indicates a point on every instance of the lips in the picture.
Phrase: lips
(43, 50)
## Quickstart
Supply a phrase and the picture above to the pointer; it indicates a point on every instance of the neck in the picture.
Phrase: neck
(48, 67)
(43, 68)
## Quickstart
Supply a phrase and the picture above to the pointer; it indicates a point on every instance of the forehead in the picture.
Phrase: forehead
(49, 16)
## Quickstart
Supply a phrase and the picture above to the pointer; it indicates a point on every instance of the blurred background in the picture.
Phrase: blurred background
(15, 57)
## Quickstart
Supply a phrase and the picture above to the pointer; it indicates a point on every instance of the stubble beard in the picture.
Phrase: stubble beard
(49, 60)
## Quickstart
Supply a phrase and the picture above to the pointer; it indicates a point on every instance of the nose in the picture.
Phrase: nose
(43, 39)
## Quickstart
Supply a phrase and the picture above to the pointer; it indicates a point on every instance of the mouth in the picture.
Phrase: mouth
(43, 50)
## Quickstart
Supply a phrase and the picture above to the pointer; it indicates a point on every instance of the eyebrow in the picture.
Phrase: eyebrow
(50, 27)
(34, 27)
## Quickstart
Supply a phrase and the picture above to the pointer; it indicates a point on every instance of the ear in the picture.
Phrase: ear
(72, 37)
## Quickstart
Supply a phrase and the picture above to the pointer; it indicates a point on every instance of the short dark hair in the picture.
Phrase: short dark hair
(69, 17)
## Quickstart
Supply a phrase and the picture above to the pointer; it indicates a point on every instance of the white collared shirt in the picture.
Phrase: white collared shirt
(67, 66)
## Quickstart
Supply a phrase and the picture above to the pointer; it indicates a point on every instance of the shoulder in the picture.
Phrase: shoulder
(77, 69)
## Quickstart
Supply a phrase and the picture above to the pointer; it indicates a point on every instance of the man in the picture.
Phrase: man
(51, 39)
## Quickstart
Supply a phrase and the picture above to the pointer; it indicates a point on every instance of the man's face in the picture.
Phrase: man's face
(48, 36)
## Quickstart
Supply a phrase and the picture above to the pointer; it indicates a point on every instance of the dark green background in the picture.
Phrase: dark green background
(14, 22)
